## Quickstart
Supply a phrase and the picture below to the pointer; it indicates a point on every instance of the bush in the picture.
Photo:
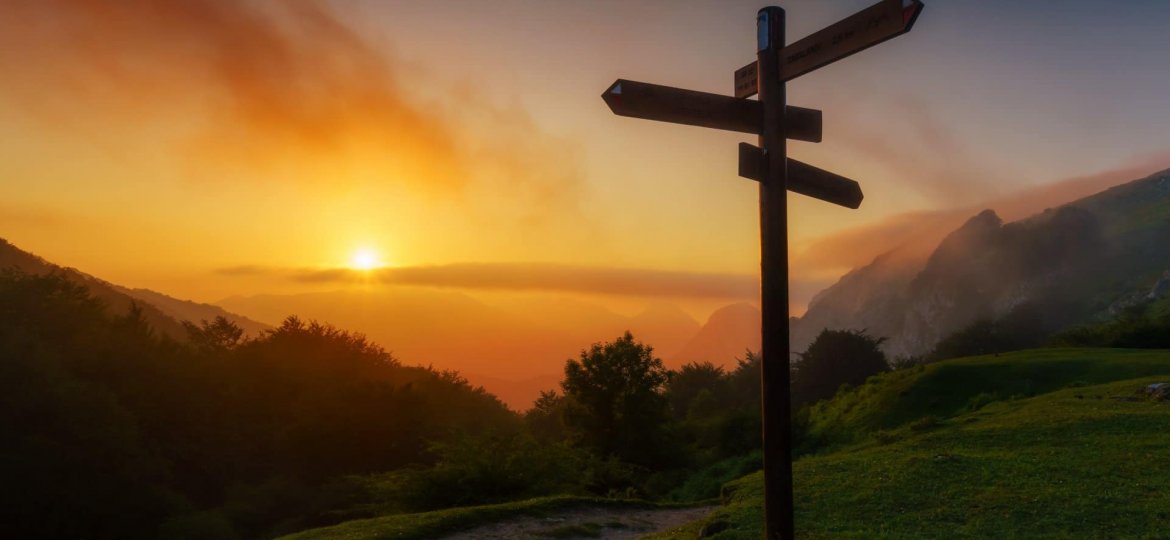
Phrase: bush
(1136, 327)
(979, 400)
(1022, 328)
(487, 469)
(706, 483)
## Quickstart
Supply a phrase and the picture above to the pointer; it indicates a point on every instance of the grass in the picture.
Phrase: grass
(432, 524)
(1160, 308)
(945, 389)
(1084, 461)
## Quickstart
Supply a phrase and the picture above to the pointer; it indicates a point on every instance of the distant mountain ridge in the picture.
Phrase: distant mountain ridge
(161, 312)
(187, 310)
(1070, 264)
(728, 334)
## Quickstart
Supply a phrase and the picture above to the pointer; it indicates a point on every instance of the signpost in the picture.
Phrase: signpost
(775, 122)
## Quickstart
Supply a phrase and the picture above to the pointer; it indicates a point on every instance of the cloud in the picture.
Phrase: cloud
(244, 271)
(916, 234)
(281, 88)
(529, 277)
(916, 147)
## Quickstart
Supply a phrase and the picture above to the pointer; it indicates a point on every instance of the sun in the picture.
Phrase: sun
(364, 259)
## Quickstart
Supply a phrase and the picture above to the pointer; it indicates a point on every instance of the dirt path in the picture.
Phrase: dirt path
(587, 522)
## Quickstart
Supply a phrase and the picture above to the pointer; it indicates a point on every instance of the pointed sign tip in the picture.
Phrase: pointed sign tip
(910, 11)
(855, 204)
(612, 95)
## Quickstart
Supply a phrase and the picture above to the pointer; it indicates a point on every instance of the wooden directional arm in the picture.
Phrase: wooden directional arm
(676, 105)
(803, 178)
(877, 23)
(824, 185)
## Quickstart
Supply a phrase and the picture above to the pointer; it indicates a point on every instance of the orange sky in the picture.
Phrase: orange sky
(174, 145)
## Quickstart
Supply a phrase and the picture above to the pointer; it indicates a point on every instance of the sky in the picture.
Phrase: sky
(206, 149)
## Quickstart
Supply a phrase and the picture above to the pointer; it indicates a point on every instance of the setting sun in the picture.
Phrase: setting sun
(364, 259)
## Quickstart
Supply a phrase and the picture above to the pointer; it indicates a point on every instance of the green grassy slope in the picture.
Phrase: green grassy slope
(945, 389)
(1080, 462)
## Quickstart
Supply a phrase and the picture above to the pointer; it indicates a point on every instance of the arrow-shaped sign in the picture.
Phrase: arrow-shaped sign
(862, 30)
(803, 178)
(668, 104)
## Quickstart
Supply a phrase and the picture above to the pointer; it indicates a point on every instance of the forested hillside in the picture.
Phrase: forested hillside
(113, 430)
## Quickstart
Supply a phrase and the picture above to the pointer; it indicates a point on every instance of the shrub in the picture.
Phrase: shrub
(486, 469)
(979, 400)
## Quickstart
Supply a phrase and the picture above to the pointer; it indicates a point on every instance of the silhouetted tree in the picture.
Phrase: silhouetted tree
(615, 399)
(834, 358)
(690, 382)
(216, 336)
(546, 418)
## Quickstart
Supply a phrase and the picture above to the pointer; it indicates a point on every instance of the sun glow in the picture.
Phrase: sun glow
(364, 259)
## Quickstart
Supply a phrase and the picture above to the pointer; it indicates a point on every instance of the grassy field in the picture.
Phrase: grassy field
(1085, 461)
(1036, 444)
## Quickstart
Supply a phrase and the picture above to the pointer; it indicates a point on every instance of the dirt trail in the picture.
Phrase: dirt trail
(587, 522)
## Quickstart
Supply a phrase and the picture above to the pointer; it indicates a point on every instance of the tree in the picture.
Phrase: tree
(691, 381)
(545, 420)
(834, 358)
(616, 403)
(216, 336)
(1021, 328)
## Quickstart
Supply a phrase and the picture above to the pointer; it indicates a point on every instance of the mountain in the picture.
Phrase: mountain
(665, 326)
(186, 310)
(116, 301)
(729, 332)
(1066, 265)
(162, 312)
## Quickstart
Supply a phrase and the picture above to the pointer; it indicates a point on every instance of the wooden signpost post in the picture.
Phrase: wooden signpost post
(774, 121)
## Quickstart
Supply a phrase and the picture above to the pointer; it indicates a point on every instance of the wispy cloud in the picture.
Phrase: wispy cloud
(528, 277)
(917, 148)
(279, 87)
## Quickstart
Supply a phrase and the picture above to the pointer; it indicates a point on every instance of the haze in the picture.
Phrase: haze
(222, 151)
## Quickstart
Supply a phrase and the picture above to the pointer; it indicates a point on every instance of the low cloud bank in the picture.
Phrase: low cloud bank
(529, 277)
